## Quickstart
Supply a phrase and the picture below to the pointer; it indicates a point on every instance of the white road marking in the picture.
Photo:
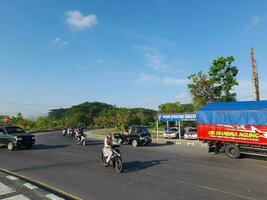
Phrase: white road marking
(240, 196)
(30, 186)
(17, 197)
(12, 178)
(53, 197)
(5, 189)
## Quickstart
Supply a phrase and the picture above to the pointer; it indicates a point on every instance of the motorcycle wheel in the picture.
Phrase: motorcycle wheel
(84, 142)
(118, 165)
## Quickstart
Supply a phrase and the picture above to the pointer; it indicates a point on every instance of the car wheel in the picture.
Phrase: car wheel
(10, 146)
(134, 143)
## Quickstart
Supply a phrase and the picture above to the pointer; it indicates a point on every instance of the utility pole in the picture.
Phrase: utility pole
(254, 76)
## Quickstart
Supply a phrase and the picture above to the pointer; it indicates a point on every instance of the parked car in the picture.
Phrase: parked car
(137, 135)
(191, 133)
(173, 132)
(14, 136)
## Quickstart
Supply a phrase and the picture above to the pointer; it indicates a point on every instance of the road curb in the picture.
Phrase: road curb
(42, 185)
(193, 143)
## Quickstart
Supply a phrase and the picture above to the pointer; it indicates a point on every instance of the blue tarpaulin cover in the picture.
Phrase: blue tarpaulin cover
(234, 113)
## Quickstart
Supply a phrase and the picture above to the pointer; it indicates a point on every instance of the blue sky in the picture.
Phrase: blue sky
(127, 53)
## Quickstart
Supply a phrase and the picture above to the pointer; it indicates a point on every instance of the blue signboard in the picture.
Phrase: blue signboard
(177, 117)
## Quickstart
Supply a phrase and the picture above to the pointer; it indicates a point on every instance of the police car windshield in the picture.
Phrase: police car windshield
(14, 130)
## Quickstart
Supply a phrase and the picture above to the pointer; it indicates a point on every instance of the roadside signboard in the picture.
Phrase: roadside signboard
(177, 117)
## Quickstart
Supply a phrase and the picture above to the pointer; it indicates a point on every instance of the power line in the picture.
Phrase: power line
(33, 105)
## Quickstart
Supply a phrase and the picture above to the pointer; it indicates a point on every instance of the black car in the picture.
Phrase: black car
(14, 136)
(137, 135)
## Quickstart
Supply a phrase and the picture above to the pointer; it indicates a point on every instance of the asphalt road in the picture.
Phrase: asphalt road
(153, 172)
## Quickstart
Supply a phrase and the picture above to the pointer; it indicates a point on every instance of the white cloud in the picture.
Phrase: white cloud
(256, 20)
(142, 78)
(155, 61)
(165, 80)
(184, 97)
(158, 61)
(152, 103)
(77, 22)
(244, 90)
(59, 42)
(80, 67)
(175, 81)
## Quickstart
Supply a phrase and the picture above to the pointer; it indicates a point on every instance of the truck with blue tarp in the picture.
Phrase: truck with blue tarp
(235, 128)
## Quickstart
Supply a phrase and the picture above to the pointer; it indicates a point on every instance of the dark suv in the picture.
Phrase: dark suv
(14, 136)
(137, 135)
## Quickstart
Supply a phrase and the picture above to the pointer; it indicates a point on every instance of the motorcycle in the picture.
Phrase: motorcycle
(81, 141)
(115, 161)
(64, 132)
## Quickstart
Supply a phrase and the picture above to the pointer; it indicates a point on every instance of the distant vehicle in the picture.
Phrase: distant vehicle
(173, 132)
(14, 137)
(191, 133)
(137, 135)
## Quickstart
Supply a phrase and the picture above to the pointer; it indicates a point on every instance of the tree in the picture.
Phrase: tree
(216, 85)
(176, 107)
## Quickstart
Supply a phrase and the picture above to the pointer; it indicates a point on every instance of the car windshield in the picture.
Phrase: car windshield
(143, 131)
(14, 130)
(192, 130)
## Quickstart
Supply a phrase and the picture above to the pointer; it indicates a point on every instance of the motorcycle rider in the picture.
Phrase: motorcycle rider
(107, 150)
(80, 136)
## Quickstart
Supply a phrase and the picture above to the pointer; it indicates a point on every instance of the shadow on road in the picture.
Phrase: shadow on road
(94, 142)
(160, 144)
(253, 157)
(48, 146)
(139, 165)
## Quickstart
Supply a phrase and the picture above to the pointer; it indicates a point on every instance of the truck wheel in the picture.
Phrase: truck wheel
(10, 146)
(232, 151)
(134, 143)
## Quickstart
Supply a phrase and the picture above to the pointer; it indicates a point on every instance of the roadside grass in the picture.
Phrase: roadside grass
(42, 130)
(104, 131)
(154, 134)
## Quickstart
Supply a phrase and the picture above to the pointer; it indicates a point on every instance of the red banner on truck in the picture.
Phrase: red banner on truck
(233, 133)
